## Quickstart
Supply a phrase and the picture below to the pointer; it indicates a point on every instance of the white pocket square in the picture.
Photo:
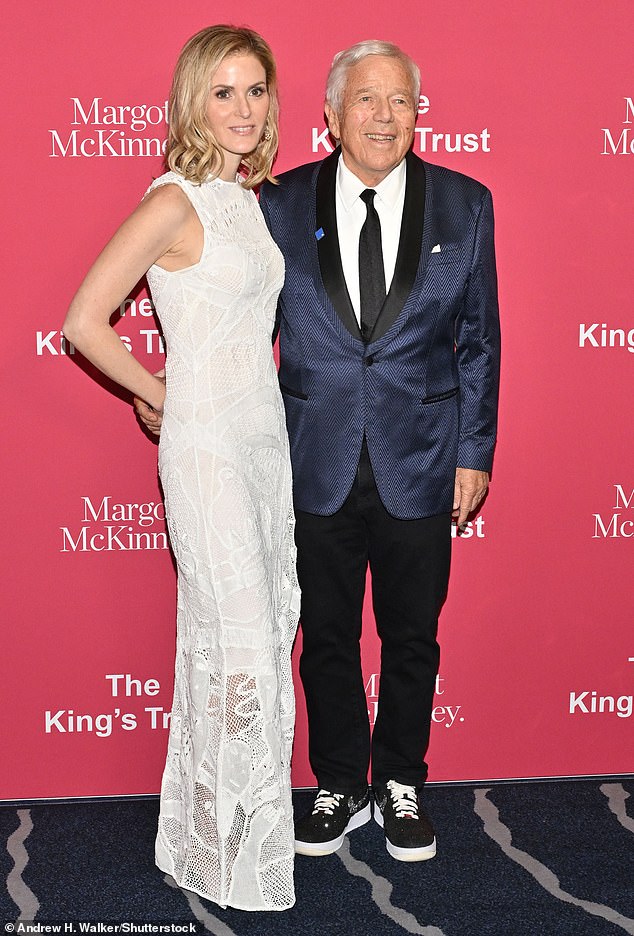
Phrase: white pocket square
(436, 249)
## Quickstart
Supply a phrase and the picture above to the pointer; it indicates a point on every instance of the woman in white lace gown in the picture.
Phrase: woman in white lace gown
(225, 826)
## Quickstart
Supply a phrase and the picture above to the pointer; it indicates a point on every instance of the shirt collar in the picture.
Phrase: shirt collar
(388, 191)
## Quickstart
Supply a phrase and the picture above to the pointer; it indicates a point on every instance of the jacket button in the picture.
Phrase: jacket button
(369, 360)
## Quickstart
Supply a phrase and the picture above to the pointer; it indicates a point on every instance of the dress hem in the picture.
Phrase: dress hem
(233, 906)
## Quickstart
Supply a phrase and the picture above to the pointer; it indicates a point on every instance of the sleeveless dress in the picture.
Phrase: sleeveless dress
(226, 819)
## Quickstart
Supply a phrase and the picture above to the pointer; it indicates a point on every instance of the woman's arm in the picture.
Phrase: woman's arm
(163, 228)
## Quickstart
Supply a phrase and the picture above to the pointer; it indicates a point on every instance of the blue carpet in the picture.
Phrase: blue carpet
(521, 859)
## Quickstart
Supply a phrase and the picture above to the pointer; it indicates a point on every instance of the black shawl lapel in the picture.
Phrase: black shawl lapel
(328, 244)
(409, 246)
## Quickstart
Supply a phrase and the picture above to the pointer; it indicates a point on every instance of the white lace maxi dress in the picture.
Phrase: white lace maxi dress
(225, 825)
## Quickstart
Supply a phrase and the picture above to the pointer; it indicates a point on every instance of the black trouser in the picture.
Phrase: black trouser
(409, 561)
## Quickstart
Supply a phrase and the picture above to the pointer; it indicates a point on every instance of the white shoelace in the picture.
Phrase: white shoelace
(404, 800)
(327, 802)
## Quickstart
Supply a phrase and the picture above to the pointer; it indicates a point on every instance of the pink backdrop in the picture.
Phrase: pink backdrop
(537, 660)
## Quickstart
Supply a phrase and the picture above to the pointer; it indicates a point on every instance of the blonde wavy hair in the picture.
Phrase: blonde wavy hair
(192, 150)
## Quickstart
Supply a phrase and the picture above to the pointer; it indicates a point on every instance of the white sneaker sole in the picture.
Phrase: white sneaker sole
(315, 849)
(424, 853)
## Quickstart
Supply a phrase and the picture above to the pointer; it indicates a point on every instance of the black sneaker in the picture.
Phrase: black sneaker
(409, 834)
(322, 831)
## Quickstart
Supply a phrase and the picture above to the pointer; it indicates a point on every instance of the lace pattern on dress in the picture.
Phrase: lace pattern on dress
(226, 820)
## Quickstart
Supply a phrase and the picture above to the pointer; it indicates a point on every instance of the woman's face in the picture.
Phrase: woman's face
(237, 108)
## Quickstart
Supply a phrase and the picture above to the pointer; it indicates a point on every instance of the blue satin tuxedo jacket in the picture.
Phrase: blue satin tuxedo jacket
(424, 389)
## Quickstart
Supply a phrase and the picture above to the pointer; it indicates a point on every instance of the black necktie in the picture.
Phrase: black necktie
(371, 271)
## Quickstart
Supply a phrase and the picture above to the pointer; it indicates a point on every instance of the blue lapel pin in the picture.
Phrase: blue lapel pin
(319, 234)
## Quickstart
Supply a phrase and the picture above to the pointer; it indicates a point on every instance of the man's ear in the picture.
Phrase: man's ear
(332, 120)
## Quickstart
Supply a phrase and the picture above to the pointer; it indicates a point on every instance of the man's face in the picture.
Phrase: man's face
(377, 118)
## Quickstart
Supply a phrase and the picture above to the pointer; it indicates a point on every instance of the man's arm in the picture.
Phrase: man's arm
(478, 352)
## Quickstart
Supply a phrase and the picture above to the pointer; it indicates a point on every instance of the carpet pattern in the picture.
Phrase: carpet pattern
(519, 859)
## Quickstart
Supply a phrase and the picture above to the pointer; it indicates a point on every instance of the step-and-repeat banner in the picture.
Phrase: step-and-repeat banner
(536, 101)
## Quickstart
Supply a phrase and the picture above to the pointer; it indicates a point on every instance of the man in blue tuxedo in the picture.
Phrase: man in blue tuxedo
(389, 350)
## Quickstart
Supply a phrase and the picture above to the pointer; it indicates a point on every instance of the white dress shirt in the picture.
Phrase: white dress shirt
(351, 215)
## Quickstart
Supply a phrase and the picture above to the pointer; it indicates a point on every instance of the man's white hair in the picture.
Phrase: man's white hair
(336, 83)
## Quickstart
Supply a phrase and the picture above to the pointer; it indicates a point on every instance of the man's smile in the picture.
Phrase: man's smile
(382, 137)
